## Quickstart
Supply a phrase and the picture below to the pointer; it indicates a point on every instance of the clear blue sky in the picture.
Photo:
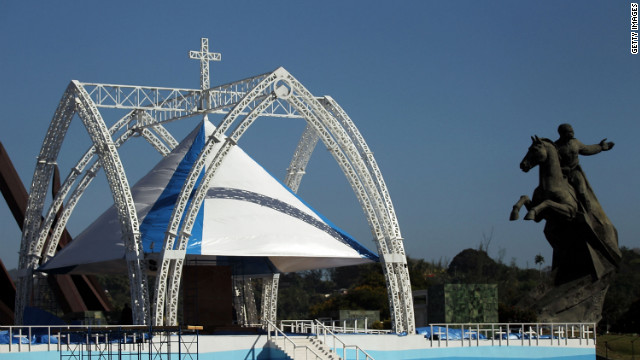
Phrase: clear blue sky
(447, 95)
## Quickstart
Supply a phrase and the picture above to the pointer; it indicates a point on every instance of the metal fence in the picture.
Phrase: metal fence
(103, 342)
(505, 334)
(498, 334)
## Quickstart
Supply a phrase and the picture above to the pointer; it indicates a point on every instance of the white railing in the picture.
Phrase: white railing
(23, 338)
(286, 340)
(336, 326)
(298, 326)
(99, 338)
(325, 330)
(501, 334)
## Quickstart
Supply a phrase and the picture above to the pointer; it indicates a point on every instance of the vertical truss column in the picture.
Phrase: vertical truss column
(270, 298)
(238, 301)
(244, 301)
(250, 302)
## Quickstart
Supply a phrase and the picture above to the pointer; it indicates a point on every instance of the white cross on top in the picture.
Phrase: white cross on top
(204, 56)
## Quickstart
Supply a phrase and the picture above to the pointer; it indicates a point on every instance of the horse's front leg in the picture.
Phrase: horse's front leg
(567, 211)
(515, 212)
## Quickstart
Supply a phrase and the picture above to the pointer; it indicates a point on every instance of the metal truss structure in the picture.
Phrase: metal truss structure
(244, 302)
(270, 299)
(274, 94)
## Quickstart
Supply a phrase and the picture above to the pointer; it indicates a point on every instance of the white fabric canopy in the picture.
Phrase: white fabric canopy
(249, 220)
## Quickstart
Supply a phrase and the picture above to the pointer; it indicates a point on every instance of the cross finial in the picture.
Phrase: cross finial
(204, 56)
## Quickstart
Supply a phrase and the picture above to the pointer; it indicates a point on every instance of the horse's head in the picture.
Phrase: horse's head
(537, 154)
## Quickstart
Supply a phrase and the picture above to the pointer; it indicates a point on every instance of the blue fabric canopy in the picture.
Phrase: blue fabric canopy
(248, 220)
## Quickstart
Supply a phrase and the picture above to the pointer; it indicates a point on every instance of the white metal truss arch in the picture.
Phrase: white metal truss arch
(352, 172)
(36, 232)
(89, 175)
(125, 207)
(367, 155)
(301, 157)
(42, 175)
(397, 245)
(62, 194)
(168, 279)
(146, 125)
(349, 159)
(66, 186)
(395, 263)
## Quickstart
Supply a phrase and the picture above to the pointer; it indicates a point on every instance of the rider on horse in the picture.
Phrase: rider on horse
(568, 150)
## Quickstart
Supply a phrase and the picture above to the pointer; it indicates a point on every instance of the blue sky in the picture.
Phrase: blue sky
(446, 93)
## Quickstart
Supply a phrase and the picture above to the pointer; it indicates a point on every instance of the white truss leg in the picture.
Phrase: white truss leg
(363, 183)
(38, 243)
(29, 255)
(244, 301)
(250, 302)
(68, 209)
(402, 272)
(238, 301)
(270, 298)
(366, 204)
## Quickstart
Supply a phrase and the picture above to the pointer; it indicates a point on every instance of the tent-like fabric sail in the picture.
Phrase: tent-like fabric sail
(248, 219)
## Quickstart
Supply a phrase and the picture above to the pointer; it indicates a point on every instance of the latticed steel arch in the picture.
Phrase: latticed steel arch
(39, 231)
(273, 94)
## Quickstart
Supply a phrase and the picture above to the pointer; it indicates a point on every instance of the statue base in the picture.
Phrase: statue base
(579, 300)
(583, 268)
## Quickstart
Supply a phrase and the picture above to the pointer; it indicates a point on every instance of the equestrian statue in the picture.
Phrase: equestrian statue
(584, 241)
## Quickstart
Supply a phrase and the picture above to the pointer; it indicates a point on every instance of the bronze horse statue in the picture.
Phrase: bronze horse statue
(554, 196)
(584, 242)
